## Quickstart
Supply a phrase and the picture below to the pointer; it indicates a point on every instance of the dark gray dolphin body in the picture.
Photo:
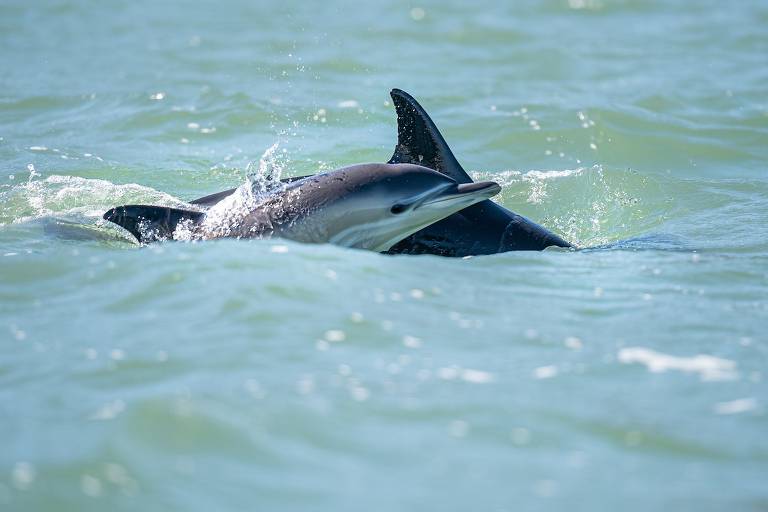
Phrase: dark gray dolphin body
(367, 206)
(483, 228)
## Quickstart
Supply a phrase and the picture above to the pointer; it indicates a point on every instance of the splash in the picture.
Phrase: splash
(588, 206)
(225, 218)
(73, 197)
(82, 201)
(266, 177)
(539, 179)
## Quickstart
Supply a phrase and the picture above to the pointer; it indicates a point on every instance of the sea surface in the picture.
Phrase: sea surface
(271, 375)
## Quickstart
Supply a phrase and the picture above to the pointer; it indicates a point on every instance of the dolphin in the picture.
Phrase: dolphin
(483, 228)
(366, 206)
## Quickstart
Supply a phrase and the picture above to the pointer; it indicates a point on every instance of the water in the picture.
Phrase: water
(269, 375)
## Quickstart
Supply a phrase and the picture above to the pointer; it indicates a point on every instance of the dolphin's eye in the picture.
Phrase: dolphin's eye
(398, 208)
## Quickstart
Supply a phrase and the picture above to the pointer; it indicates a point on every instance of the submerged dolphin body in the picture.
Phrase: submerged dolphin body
(483, 228)
(367, 206)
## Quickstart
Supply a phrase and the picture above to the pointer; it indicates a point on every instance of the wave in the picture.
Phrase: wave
(71, 207)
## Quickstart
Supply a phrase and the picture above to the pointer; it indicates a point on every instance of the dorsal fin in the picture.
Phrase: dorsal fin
(150, 223)
(212, 199)
(420, 142)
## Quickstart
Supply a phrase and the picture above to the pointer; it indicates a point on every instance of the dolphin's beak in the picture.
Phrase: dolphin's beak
(464, 192)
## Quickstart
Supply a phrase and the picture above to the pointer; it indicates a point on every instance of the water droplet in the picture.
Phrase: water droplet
(449, 373)
(476, 376)
(91, 486)
(360, 393)
(573, 343)
(545, 372)
(418, 13)
(411, 341)
(417, 294)
(736, 406)
(459, 428)
(335, 335)
(520, 436)
(23, 475)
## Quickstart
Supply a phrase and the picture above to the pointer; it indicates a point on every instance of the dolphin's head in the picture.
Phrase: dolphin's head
(381, 204)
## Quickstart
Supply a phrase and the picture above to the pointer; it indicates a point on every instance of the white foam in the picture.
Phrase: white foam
(476, 376)
(736, 406)
(279, 249)
(72, 195)
(465, 374)
(536, 180)
(551, 175)
(708, 367)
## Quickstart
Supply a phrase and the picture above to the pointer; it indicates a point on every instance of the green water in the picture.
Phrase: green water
(270, 375)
